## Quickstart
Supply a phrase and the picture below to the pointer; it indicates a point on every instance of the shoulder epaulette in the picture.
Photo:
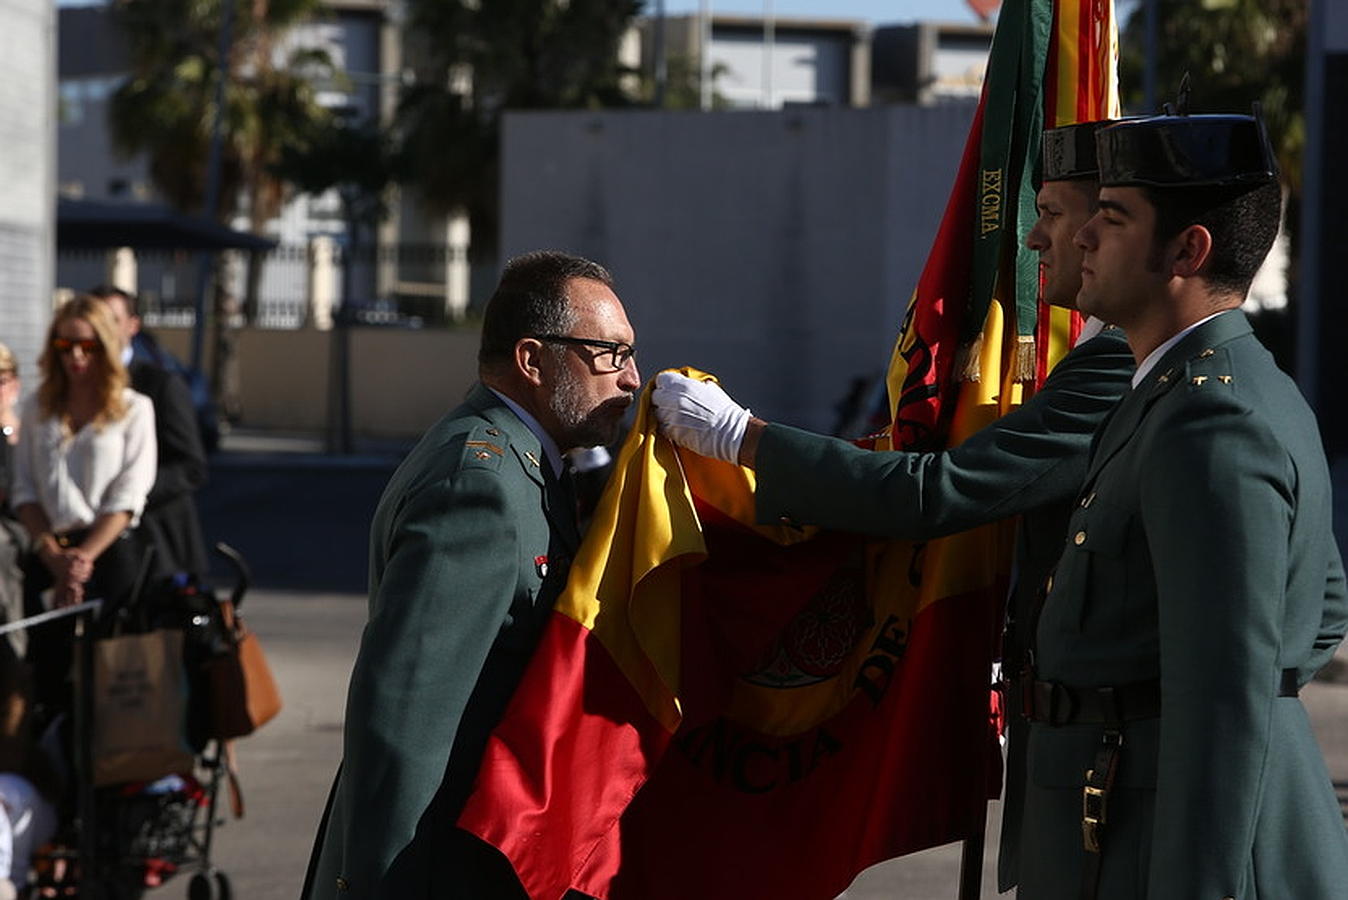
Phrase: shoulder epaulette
(1209, 368)
(484, 447)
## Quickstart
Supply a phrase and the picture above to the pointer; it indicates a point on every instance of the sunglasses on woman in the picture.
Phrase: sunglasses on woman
(90, 346)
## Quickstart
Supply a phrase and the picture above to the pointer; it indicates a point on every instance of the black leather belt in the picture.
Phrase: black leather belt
(1058, 704)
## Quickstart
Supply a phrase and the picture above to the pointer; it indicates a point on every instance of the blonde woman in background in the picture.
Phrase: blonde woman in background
(84, 465)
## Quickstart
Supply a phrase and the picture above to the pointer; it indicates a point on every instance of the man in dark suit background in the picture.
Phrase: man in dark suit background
(469, 548)
(170, 510)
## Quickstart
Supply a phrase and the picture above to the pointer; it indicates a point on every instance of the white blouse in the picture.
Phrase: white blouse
(78, 477)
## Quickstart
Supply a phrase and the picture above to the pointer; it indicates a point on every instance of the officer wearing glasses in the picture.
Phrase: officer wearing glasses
(470, 547)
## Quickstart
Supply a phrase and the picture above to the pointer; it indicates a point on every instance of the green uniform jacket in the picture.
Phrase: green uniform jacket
(469, 548)
(1031, 461)
(1200, 553)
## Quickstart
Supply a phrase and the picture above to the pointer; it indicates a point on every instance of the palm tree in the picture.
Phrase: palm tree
(479, 58)
(184, 55)
(166, 108)
(1237, 52)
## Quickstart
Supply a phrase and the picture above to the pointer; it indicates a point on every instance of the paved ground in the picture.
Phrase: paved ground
(303, 522)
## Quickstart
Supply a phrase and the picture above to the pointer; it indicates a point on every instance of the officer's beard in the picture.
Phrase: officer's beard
(580, 424)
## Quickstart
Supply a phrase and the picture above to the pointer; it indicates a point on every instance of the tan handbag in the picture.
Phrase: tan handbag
(243, 692)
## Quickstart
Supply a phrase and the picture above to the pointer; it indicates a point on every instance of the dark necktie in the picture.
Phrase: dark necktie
(562, 501)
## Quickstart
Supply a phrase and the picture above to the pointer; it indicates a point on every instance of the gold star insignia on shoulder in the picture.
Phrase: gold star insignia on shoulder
(1199, 379)
(482, 454)
(1206, 353)
(1224, 379)
(533, 460)
(494, 432)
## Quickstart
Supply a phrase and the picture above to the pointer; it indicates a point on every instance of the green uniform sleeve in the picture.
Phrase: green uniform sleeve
(445, 589)
(1032, 456)
(1217, 504)
(1334, 619)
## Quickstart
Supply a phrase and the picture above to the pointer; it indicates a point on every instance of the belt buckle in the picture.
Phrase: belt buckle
(1093, 807)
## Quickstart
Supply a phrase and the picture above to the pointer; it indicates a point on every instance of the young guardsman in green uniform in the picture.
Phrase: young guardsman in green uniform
(1031, 461)
(1200, 586)
(469, 548)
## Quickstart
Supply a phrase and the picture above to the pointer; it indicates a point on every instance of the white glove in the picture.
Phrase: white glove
(699, 415)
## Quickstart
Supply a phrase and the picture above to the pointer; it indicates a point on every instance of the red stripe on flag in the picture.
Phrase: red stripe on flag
(575, 745)
(1087, 65)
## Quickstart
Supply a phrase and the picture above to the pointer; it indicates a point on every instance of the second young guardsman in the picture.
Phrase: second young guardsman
(1200, 586)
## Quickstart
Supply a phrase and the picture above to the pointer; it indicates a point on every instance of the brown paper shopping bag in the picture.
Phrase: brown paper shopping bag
(140, 707)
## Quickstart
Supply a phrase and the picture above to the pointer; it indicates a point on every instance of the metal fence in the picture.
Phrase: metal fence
(293, 285)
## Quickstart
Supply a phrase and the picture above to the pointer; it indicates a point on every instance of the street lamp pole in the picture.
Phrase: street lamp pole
(661, 66)
(704, 55)
(1149, 65)
(211, 201)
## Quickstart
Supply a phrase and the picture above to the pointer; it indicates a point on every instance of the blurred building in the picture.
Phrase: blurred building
(768, 63)
(27, 151)
(92, 63)
(762, 63)
(415, 267)
(929, 62)
(775, 241)
(364, 40)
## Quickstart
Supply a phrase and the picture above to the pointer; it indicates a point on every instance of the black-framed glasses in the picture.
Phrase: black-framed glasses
(90, 346)
(617, 353)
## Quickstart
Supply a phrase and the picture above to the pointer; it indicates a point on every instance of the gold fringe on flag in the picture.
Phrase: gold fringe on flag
(1027, 360)
(968, 362)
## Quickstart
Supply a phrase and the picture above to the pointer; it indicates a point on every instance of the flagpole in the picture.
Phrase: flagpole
(971, 863)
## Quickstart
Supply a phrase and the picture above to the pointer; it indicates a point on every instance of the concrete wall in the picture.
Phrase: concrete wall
(27, 151)
(777, 250)
(401, 380)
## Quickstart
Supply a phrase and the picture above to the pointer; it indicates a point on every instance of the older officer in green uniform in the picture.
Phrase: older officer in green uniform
(1200, 586)
(470, 546)
(1031, 461)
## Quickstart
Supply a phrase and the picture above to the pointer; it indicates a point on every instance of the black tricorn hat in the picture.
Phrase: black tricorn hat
(1069, 152)
(1186, 151)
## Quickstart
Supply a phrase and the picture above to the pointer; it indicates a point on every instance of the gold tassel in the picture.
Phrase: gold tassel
(968, 363)
(1027, 360)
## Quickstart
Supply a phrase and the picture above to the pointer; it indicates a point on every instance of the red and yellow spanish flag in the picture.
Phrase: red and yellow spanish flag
(721, 709)
(1080, 85)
